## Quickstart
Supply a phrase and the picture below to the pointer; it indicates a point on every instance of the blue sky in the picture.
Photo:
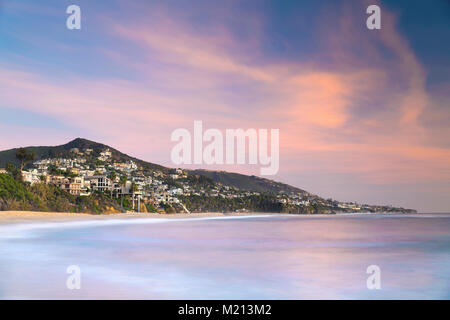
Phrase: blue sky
(363, 114)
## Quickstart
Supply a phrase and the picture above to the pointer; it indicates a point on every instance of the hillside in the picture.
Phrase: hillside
(63, 151)
(15, 195)
(161, 188)
(244, 182)
(251, 183)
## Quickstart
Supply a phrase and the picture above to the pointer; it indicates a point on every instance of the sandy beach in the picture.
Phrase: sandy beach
(7, 217)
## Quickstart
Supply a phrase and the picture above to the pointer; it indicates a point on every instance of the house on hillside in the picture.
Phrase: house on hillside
(32, 176)
(74, 186)
(99, 182)
(105, 155)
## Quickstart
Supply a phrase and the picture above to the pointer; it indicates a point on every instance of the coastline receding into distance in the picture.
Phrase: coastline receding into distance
(97, 178)
(7, 217)
(14, 223)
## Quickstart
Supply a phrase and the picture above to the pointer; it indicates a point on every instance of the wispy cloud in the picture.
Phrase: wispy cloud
(361, 107)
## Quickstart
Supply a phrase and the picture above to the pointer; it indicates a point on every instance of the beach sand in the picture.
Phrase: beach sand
(34, 216)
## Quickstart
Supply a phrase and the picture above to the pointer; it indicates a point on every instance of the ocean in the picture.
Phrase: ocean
(244, 257)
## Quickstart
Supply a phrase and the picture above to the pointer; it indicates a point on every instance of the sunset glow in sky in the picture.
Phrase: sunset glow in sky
(363, 114)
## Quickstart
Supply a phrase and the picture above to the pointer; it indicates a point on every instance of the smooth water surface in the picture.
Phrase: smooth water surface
(261, 257)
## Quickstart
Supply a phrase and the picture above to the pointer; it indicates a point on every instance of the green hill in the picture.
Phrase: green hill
(20, 196)
(251, 183)
(15, 195)
(244, 182)
(63, 151)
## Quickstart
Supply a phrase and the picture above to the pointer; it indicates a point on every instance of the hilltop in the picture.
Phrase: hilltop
(64, 151)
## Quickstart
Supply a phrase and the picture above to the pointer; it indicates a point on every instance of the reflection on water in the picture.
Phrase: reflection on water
(265, 257)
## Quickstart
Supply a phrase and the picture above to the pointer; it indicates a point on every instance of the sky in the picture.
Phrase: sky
(363, 114)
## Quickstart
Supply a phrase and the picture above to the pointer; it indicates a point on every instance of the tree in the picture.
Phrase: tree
(12, 170)
(24, 156)
(112, 177)
(133, 189)
(123, 184)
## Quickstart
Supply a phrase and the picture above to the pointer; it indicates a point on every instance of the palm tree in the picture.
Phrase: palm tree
(123, 184)
(112, 177)
(134, 188)
(24, 156)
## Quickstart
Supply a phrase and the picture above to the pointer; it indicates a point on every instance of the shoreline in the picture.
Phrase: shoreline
(13, 217)
(16, 217)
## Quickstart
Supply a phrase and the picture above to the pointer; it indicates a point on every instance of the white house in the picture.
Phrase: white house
(32, 176)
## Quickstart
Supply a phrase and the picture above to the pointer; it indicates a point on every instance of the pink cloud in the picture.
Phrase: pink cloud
(353, 118)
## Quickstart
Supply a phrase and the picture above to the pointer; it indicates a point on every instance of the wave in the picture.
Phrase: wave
(24, 230)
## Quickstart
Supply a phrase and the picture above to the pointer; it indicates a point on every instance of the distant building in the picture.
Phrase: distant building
(74, 186)
(58, 180)
(99, 182)
(105, 155)
(32, 176)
